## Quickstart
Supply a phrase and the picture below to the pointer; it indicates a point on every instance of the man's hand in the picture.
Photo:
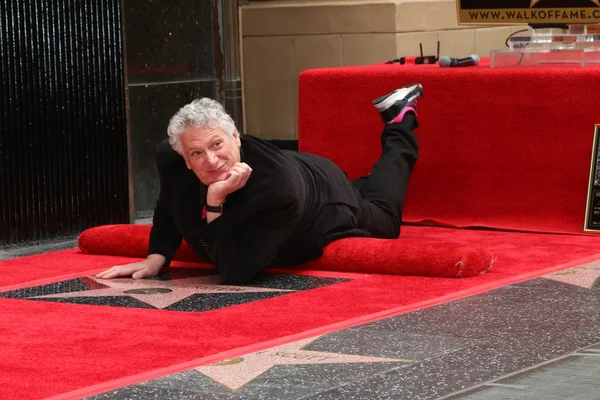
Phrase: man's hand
(138, 270)
(237, 177)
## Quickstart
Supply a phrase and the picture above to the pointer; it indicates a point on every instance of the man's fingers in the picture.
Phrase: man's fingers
(142, 274)
(241, 164)
(114, 274)
(106, 275)
(242, 168)
(237, 179)
(233, 177)
(240, 173)
(236, 171)
(109, 275)
(108, 272)
(147, 272)
(116, 271)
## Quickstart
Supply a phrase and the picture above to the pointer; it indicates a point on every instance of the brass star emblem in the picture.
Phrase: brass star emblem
(534, 2)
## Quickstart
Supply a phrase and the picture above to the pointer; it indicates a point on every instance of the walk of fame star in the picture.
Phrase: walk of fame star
(191, 290)
(157, 293)
(237, 372)
(534, 2)
(587, 275)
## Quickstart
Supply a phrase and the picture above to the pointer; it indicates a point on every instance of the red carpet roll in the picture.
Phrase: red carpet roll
(125, 240)
(420, 256)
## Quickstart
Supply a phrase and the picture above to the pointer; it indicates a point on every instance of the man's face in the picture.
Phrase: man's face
(210, 152)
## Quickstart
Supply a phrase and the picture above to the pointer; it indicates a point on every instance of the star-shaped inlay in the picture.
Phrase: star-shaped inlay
(587, 275)
(176, 289)
(534, 2)
(159, 293)
(237, 372)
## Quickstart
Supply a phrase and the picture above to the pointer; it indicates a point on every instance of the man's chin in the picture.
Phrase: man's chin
(224, 175)
(216, 178)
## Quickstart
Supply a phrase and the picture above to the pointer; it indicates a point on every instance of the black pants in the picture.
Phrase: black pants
(384, 189)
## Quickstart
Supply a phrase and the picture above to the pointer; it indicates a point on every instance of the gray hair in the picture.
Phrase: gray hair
(200, 113)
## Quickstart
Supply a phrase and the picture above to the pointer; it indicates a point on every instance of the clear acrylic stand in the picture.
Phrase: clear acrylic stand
(579, 46)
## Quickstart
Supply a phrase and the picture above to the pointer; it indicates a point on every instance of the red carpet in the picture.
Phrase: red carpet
(504, 148)
(54, 348)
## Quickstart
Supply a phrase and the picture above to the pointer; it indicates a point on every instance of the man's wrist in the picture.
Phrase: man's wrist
(157, 259)
(215, 209)
(214, 204)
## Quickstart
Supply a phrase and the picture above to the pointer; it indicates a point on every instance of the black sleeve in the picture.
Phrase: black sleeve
(240, 249)
(164, 237)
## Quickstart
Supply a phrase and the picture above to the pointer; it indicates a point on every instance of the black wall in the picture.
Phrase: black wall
(170, 62)
(63, 139)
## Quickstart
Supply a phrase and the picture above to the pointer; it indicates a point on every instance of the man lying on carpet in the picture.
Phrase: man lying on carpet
(266, 207)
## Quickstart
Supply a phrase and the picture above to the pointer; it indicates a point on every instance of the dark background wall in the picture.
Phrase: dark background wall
(81, 80)
(63, 138)
(170, 62)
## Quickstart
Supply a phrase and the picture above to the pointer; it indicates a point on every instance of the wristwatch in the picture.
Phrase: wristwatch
(215, 209)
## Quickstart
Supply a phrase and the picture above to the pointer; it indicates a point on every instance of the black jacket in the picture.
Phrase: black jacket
(292, 205)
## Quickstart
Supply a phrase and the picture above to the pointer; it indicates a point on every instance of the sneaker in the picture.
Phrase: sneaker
(394, 105)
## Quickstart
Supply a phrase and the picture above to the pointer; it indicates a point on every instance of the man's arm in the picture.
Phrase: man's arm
(164, 237)
(241, 250)
(164, 242)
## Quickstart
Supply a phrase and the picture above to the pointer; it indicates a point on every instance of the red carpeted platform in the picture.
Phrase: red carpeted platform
(503, 148)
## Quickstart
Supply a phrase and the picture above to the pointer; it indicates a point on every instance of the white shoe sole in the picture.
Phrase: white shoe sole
(399, 94)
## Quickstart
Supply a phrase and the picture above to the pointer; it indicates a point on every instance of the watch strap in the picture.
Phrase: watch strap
(215, 209)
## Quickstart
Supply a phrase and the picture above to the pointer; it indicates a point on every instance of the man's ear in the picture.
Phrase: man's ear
(236, 138)
(188, 165)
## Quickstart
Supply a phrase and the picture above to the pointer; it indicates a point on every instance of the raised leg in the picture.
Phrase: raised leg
(384, 189)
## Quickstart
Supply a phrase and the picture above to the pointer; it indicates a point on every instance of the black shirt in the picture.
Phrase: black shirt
(293, 204)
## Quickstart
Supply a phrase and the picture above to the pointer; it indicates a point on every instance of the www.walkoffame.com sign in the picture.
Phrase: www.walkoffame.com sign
(528, 11)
